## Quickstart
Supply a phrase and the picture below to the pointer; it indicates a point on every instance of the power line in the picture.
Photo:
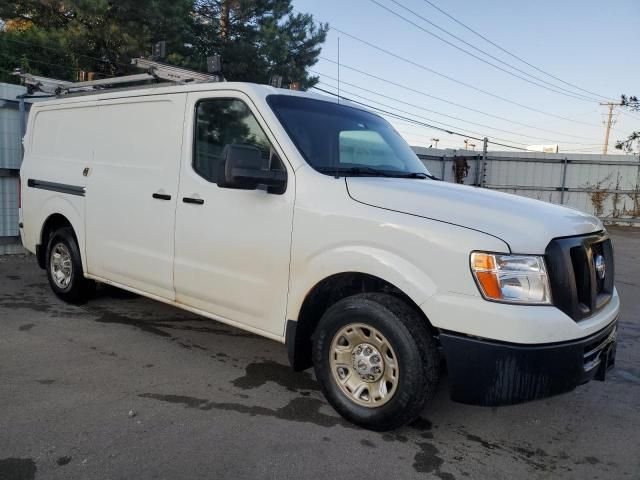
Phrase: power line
(490, 55)
(508, 52)
(62, 67)
(444, 114)
(416, 122)
(375, 102)
(459, 105)
(5, 70)
(417, 135)
(561, 91)
(53, 49)
(627, 114)
(451, 132)
(460, 82)
(427, 139)
(423, 67)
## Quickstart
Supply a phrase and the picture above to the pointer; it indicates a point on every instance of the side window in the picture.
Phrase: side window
(221, 122)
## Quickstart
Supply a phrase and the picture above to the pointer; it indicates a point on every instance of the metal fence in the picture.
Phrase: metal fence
(12, 123)
(607, 186)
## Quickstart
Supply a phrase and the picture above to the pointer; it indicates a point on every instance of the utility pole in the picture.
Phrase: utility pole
(610, 122)
(435, 140)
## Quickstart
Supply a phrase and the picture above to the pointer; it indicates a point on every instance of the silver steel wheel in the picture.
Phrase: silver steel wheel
(364, 365)
(61, 266)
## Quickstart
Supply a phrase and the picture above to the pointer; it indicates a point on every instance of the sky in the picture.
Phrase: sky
(590, 44)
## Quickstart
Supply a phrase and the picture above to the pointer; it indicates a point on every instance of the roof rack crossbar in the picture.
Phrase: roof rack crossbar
(105, 82)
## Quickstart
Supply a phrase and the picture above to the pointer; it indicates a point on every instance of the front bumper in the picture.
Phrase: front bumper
(492, 373)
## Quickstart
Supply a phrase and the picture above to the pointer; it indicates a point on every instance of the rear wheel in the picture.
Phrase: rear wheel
(64, 267)
(375, 360)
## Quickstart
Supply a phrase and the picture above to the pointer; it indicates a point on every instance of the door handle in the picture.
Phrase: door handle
(161, 196)
(194, 201)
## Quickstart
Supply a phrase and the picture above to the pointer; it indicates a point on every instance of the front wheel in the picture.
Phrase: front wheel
(64, 268)
(375, 360)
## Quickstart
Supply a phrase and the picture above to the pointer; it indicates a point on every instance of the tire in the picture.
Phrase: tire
(408, 352)
(64, 268)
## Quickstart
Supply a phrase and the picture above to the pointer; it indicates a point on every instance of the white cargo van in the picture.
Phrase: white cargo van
(314, 224)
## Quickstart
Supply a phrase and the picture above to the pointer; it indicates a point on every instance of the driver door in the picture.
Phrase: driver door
(232, 246)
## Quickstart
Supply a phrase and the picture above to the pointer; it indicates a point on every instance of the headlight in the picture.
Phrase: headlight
(511, 278)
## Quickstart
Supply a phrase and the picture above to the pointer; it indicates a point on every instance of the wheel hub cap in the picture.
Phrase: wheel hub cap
(367, 362)
(364, 365)
(61, 266)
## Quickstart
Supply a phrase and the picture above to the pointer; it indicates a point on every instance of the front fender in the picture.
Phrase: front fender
(370, 260)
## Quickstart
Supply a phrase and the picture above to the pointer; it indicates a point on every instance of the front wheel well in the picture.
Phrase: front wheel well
(324, 294)
(51, 224)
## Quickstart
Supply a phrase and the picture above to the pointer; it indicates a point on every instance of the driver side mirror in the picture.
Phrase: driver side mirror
(241, 168)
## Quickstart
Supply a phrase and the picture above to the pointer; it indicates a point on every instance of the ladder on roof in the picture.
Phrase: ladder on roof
(155, 71)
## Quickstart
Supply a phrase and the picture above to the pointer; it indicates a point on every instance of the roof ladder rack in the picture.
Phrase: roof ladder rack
(156, 71)
(174, 74)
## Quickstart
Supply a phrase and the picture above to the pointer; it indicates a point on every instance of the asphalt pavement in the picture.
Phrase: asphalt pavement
(128, 388)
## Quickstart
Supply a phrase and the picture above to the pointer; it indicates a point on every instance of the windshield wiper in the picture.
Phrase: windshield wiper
(422, 175)
(356, 171)
(372, 171)
(418, 175)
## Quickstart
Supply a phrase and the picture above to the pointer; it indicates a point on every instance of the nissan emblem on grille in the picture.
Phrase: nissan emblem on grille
(601, 268)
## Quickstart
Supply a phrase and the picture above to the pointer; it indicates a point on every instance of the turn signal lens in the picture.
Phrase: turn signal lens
(490, 285)
(511, 278)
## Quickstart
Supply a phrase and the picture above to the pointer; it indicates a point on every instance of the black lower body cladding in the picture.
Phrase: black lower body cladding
(492, 373)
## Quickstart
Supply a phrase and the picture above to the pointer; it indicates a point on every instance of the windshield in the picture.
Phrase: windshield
(338, 139)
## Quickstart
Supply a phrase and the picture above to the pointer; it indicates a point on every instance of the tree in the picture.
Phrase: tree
(25, 46)
(256, 38)
(632, 103)
(54, 37)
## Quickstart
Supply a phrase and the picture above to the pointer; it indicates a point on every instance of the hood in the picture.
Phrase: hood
(526, 225)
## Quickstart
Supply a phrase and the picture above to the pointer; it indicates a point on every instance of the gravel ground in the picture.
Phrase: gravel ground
(125, 388)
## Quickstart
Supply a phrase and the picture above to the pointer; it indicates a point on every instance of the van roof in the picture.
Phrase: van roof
(252, 89)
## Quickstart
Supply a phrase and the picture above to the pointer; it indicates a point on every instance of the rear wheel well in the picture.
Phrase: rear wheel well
(327, 292)
(51, 224)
